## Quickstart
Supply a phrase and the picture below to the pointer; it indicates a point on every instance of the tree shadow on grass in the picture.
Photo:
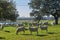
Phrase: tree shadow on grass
(2, 38)
(7, 31)
(26, 34)
(26, 29)
(52, 33)
(42, 35)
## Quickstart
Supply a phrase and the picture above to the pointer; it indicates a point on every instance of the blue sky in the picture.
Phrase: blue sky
(23, 8)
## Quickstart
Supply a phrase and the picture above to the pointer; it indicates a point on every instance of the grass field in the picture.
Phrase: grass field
(8, 33)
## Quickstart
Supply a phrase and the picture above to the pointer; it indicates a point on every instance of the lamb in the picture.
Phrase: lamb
(33, 29)
(22, 28)
(44, 27)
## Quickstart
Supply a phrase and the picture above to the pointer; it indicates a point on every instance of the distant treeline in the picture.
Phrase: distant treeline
(44, 18)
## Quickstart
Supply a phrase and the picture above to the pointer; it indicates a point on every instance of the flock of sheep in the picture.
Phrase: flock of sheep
(33, 27)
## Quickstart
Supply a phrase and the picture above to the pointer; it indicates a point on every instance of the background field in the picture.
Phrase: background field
(9, 33)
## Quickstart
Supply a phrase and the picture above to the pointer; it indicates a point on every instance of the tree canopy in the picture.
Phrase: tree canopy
(46, 7)
(8, 10)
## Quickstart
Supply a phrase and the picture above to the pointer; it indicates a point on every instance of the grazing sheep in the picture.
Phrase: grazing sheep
(22, 28)
(33, 29)
(2, 26)
(53, 23)
(44, 27)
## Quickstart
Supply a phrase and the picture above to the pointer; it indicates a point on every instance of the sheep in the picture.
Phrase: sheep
(33, 29)
(22, 28)
(2, 26)
(44, 27)
(53, 23)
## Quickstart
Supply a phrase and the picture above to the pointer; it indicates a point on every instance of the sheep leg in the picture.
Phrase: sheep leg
(2, 27)
(37, 32)
(24, 31)
(41, 30)
(47, 30)
(17, 32)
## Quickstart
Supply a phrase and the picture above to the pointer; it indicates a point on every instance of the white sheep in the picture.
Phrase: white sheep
(53, 23)
(22, 28)
(44, 27)
(33, 29)
(2, 26)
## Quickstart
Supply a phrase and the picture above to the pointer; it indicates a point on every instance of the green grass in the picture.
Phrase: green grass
(9, 33)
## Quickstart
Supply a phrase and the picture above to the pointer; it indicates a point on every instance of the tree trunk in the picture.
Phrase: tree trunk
(56, 20)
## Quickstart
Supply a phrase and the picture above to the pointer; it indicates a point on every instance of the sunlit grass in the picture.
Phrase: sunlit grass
(9, 33)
